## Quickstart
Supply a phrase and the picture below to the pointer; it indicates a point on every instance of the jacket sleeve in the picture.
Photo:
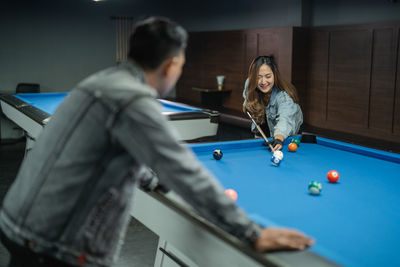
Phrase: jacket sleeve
(145, 133)
(290, 116)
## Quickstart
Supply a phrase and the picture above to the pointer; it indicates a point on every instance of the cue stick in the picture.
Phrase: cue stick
(260, 130)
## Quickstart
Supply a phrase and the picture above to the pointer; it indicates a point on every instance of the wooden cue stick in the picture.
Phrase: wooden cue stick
(260, 130)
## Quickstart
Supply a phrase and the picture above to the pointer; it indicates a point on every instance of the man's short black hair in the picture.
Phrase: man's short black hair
(154, 40)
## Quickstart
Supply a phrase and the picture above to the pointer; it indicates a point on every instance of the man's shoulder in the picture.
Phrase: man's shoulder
(109, 76)
(117, 81)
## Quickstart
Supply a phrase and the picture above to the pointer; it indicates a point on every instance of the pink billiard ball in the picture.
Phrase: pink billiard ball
(333, 176)
(231, 193)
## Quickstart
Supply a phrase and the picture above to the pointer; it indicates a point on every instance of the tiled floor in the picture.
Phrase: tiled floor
(140, 243)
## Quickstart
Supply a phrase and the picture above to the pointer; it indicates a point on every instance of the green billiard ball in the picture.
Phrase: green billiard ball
(296, 141)
(315, 188)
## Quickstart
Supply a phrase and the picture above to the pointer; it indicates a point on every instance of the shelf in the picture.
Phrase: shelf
(205, 90)
(212, 98)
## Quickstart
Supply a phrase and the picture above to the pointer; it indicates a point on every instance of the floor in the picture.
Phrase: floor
(140, 244)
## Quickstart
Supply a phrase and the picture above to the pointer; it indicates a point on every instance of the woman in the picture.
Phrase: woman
(271, 99)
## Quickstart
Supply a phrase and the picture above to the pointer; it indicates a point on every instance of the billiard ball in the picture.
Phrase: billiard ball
(296, 141)
(333, 176)
(278, 154)
(231, 193)
(314, 188)
(292, 147)
(275, 161)
(217, 154)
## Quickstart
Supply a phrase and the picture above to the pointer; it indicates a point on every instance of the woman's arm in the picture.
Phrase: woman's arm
(290, 117)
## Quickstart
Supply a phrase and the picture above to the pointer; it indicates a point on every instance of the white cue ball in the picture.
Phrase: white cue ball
(278, 154)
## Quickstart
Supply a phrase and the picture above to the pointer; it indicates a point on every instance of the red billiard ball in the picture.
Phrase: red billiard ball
(292, 147)
(333, 176)
(231, 193)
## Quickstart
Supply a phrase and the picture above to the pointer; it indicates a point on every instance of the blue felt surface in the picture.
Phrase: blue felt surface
(355, 222)
(169, 106)
(49, 102)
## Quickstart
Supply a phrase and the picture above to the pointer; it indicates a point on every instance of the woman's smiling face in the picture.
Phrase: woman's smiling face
(265, 79)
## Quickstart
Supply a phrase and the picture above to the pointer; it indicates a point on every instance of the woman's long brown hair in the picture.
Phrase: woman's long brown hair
(257, 100)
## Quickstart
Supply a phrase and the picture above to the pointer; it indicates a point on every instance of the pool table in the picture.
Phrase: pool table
(32, 111)
(356, 221)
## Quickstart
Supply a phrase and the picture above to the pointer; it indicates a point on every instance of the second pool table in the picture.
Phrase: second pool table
(32, 111)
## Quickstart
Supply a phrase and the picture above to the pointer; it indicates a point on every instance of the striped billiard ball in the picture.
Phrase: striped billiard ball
(314, 188)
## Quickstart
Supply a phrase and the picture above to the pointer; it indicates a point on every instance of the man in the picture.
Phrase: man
(70, 202)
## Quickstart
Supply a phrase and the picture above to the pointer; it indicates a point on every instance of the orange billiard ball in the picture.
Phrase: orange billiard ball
(231, 193)
(292, 147)
(333, 176)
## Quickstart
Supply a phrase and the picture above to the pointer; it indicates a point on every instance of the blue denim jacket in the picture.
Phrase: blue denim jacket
(72, 196)
(283, 115)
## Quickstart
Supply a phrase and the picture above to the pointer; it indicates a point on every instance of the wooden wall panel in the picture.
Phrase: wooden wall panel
(210, 54)
(278, 42)
(251, 46)
(349, 77)
(268, 43)
(300, 58)
(355, 68)
(229, 53)
(396, 116)
(382, 80)
(317, 78)
(193, 71)
(224, 55)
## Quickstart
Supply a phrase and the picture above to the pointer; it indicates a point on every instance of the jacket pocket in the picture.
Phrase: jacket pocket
(107, 221)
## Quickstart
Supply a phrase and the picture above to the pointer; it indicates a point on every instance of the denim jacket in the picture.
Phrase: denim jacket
(72, 196)
(283, 115)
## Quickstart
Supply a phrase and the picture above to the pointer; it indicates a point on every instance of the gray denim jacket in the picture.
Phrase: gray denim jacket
(283, 115)
(72, 196)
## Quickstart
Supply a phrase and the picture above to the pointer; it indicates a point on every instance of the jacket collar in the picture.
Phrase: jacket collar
(135, 69)
(273, 95)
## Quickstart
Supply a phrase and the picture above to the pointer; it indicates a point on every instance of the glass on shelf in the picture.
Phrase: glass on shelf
(220, 82)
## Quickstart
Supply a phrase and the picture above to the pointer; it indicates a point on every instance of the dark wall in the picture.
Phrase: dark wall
(55, 45)
(345, 12)
(58, 43)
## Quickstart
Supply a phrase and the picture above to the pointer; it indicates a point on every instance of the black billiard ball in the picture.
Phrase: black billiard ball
(217, 154)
